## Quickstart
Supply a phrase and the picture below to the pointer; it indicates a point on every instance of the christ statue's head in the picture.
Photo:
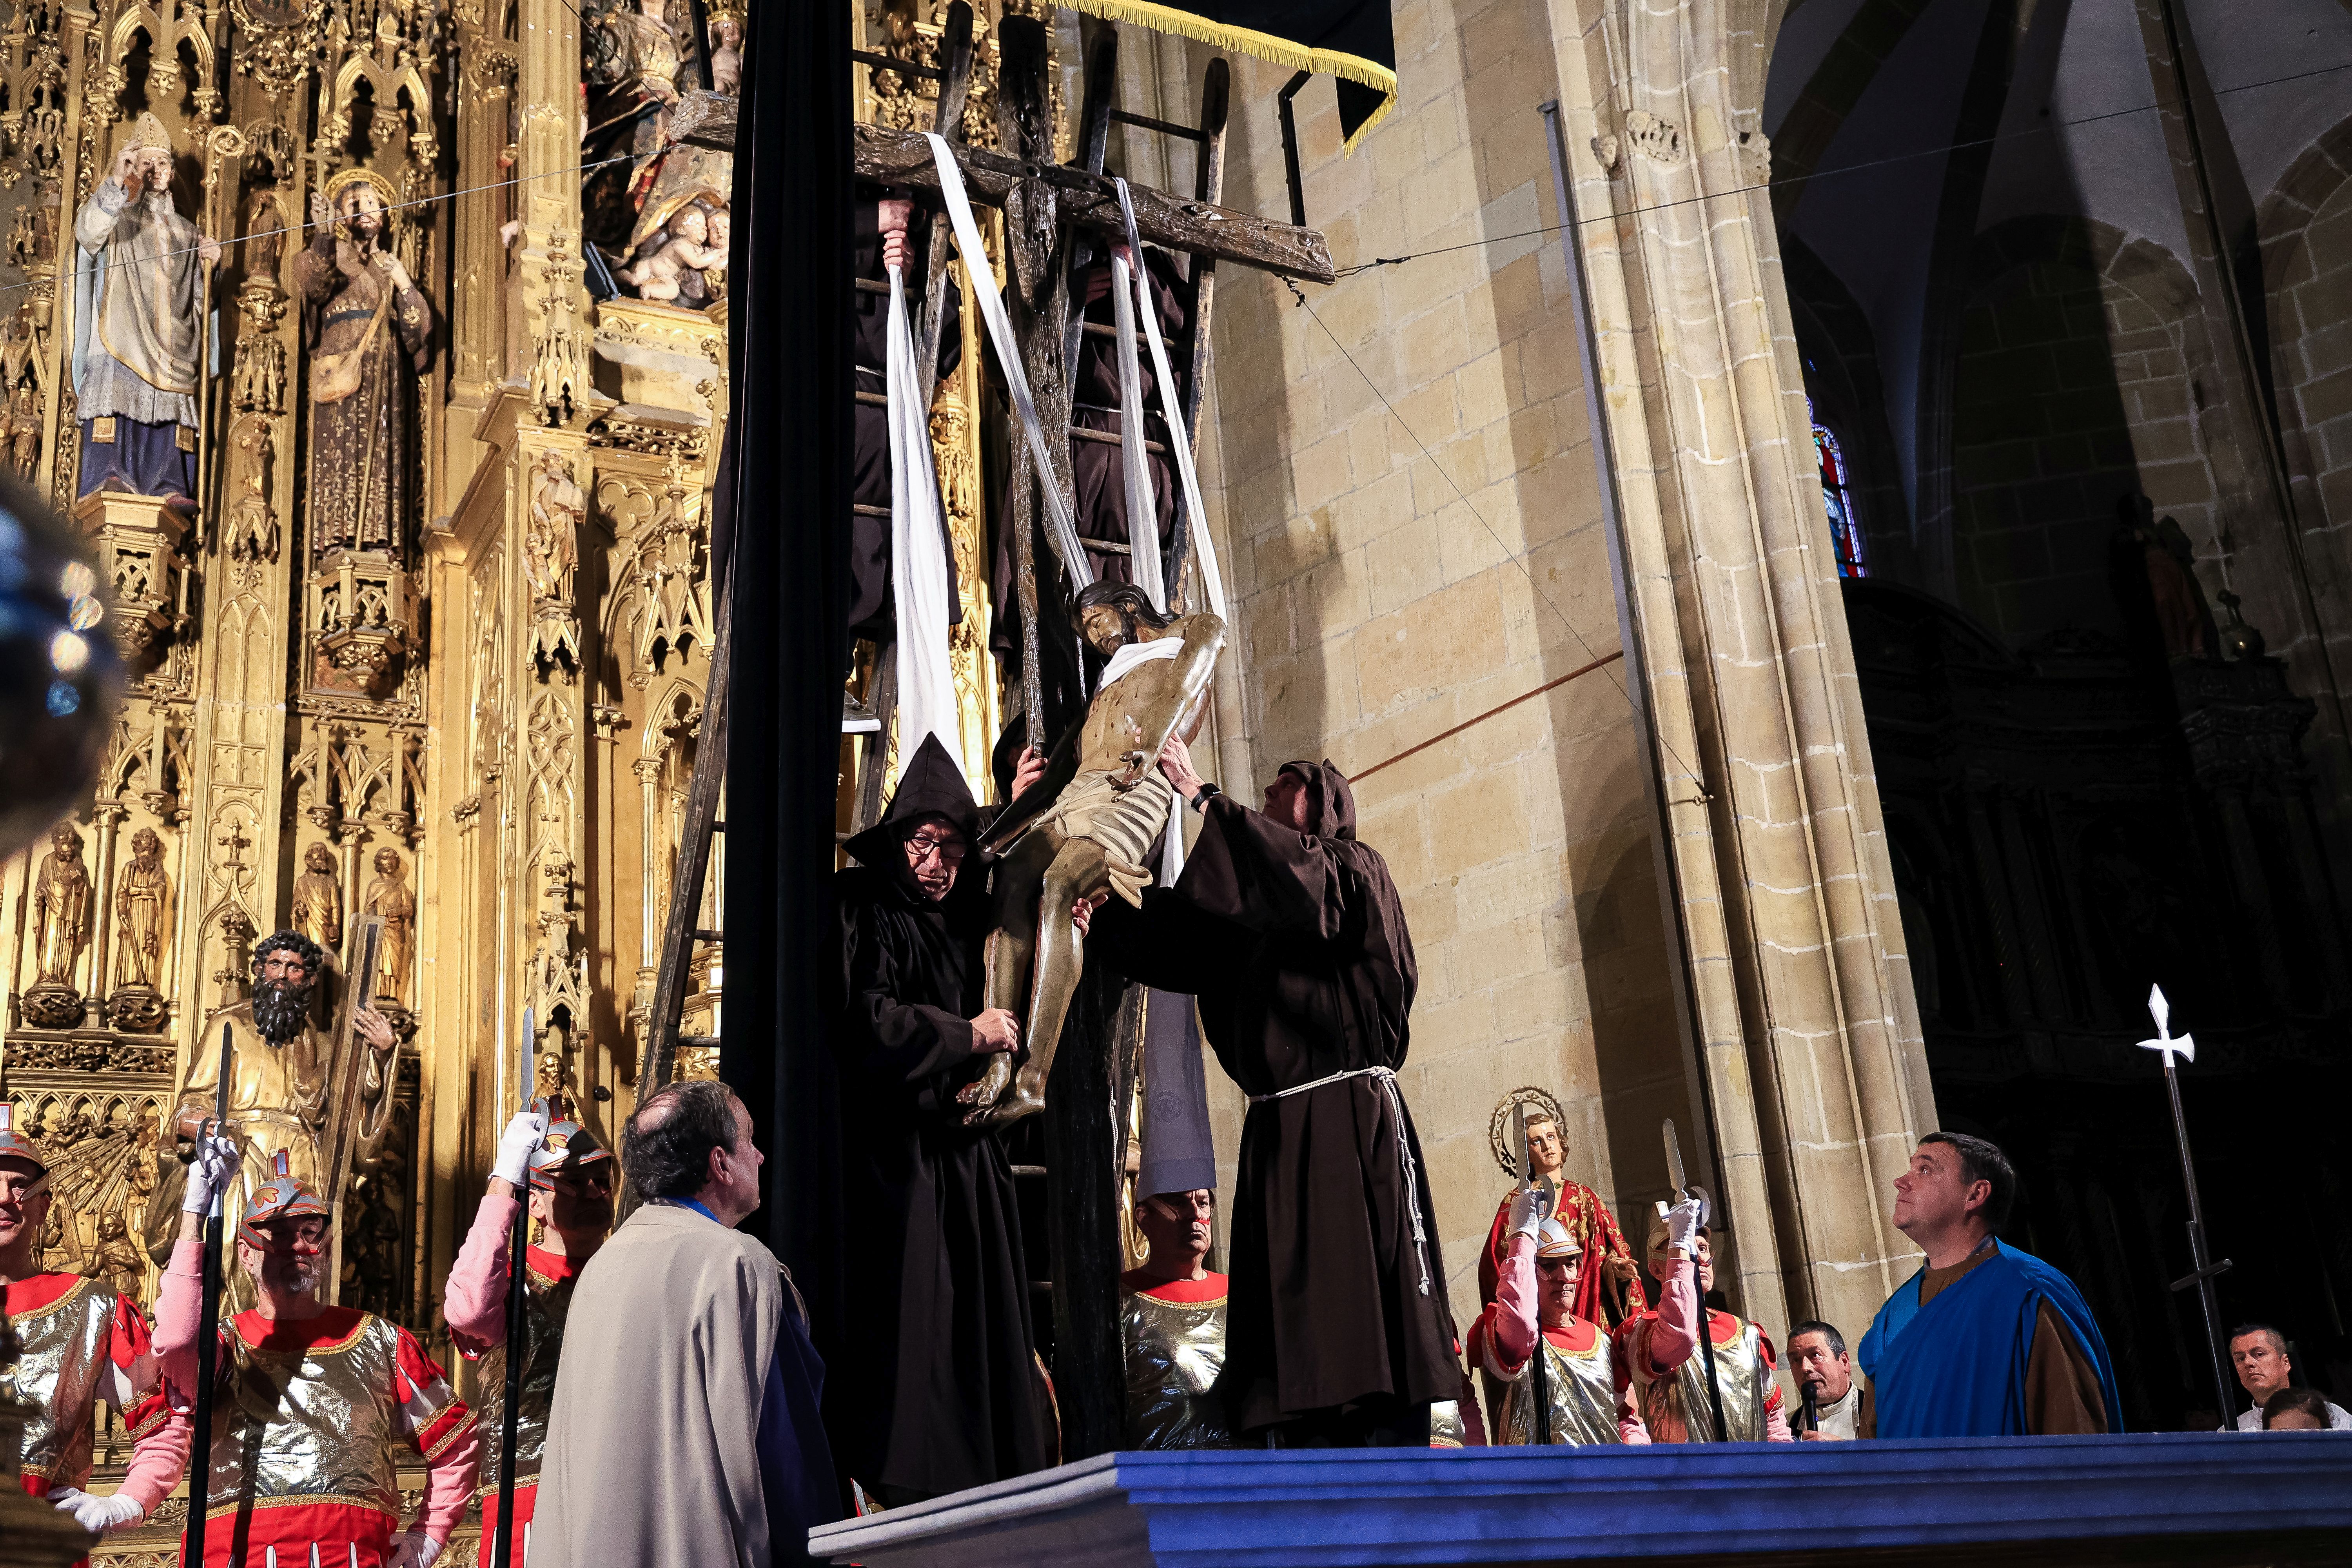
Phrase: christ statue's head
(1111, 614)
(286, 968)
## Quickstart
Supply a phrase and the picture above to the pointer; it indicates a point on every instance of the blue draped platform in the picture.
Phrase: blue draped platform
(2267, 1497)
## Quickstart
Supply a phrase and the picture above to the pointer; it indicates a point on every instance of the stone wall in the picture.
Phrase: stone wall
(2073, 389)
(1402, 472)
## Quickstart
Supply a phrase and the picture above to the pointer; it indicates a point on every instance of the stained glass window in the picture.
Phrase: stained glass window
(1845, 534)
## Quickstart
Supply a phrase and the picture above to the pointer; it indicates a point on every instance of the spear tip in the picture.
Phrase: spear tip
(2157, 1007)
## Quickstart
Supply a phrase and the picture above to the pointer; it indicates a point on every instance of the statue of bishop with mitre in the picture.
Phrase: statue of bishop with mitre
(139, 323)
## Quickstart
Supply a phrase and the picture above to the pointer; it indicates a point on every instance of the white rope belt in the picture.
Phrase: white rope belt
(1386, 1077)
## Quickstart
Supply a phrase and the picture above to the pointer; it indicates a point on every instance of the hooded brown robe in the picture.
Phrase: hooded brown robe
(935, 1385)
(1296, 945)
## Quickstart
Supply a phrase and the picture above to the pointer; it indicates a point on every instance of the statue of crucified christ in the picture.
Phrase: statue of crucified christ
(1089, 839)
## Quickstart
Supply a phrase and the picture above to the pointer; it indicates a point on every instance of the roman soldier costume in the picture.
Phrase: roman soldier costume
(1660, 1358)
(81, 1342)
(310, 1414)
(476, 1308)
(1173, 1335)
(1579, 1386)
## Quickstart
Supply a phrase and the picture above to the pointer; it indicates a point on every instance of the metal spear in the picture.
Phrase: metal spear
(1683, 1189)
(517, 1327)
(200, 1451)
(2205, 1269)
(1538, 1364)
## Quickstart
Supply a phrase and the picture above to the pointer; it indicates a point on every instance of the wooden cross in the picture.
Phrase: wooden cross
(1059, 218)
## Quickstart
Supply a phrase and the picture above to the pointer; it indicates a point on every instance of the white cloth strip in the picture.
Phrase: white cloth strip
(1386, 1078)
(1123, 662)
(1180, 442)
(919, 547)
(1142, 506)
(1058, 527)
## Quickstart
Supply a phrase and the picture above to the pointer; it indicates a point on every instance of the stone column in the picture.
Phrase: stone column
(1807, 1032)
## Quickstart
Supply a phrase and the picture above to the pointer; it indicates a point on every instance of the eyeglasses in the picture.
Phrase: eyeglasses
(950, 851)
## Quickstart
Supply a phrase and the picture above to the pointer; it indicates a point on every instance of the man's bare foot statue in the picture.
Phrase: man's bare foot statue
(1076, 847)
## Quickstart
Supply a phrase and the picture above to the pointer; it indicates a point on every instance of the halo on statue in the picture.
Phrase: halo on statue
(1498, 1126)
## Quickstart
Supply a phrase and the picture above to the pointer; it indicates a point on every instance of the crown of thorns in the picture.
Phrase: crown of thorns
(313, 957)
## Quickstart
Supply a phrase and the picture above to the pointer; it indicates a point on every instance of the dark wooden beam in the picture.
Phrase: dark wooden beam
(886, 157)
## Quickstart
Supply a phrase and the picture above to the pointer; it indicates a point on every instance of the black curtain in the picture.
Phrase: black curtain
(781, 525)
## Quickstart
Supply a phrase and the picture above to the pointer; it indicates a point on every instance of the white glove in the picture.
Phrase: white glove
(517, 1144)
(98, 1514)
(1527, 1215)
(211, 1173)
(415, 1549)
(1682, 1226)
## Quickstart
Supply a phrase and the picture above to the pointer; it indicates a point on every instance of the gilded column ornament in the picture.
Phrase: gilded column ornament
(252, 533)
(107, 818)
(558, 510)
(60, 924)
(143, 911)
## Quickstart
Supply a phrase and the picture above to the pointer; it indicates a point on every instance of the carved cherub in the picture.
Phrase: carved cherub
(659, 274)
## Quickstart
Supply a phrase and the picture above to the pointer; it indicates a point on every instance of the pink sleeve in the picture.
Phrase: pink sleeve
(475, 1301)
(159, 1457)
(449, 1482)
(1672, 1338)
(180, 1313)
(1776, 1425)
(1510, 1321)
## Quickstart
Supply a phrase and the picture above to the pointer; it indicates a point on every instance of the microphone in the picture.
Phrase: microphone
(1812, 1389)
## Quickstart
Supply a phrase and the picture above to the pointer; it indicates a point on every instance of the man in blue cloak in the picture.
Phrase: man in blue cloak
(1985, 1340)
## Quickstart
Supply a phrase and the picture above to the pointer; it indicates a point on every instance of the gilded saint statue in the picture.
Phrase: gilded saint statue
(142, 913)
(389, 896)
(61, 907)
(552, 539)
(287, 1088)
(370, 332)
(139, 319)
(1094, 837)
(318, 899)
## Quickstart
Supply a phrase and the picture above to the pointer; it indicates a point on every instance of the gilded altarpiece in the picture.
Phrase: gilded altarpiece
(431, 637)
